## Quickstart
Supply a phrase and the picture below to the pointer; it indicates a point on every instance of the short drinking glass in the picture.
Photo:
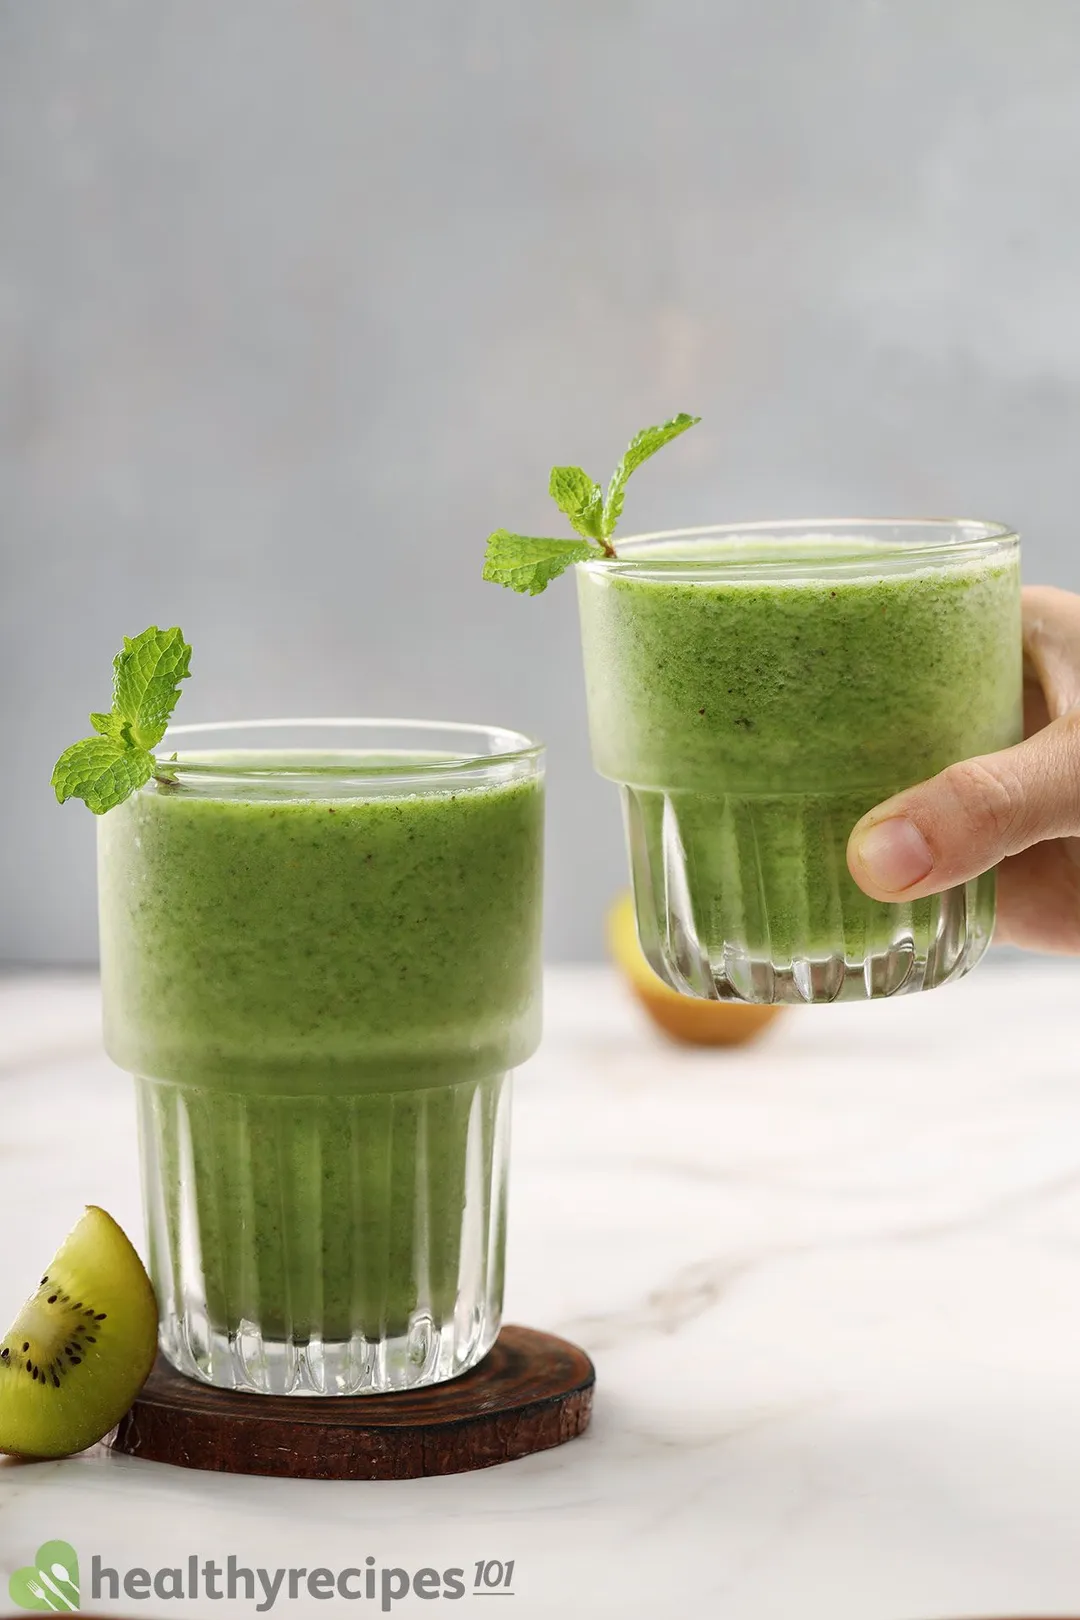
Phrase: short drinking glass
(321, 959)
(755, 690)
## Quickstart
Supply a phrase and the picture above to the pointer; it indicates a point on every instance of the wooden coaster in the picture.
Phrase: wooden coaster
(531, 1391)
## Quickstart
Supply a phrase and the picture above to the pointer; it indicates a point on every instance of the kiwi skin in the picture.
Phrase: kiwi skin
(82, 1346)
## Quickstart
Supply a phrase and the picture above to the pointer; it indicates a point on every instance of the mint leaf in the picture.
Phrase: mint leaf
(113, 725)
(102, 771)
(641, 447)
(146, 682)
(529, 565)
(575, 493)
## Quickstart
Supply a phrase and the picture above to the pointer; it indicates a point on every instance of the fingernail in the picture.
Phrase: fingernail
(894, 855)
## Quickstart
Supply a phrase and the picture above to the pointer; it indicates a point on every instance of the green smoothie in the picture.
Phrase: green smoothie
(756, 697)
(322, 982)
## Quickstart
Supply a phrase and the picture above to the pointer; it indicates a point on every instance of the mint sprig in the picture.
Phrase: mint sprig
(104, 769)
(528, 563)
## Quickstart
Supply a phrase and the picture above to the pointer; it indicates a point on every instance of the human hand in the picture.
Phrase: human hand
(1020, 807)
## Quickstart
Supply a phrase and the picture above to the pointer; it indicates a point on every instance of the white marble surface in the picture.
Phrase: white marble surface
(831, 1285)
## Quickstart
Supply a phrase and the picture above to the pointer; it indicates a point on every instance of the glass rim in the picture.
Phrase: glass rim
(510, 747)
(950, 539)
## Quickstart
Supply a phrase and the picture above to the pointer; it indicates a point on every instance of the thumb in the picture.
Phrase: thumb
(970, 816)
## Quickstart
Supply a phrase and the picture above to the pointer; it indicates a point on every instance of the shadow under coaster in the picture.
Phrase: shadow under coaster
(532, 1391)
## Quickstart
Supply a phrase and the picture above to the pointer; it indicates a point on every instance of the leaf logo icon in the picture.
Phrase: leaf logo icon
(50, 1585)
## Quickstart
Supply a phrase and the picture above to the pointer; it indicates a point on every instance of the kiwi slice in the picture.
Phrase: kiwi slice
(82, 1346)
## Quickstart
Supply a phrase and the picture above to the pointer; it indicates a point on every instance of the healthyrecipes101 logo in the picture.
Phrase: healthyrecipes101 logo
(51, 1583)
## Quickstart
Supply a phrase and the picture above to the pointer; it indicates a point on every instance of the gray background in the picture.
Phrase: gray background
(298, 300)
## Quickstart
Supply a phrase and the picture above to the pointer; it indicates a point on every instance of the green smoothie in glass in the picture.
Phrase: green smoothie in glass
(756, 691)
(321, 958)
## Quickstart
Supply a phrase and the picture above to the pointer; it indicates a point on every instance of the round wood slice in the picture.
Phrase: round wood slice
(531, 1391)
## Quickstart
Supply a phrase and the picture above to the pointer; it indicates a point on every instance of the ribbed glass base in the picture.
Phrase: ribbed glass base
(750, 899)
(244, 1360)
(339, 1245)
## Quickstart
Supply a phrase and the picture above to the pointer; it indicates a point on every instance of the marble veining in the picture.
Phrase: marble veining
(831, 1284)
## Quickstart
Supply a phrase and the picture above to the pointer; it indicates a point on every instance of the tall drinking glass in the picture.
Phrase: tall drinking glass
(755, 690)
(321, 960)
